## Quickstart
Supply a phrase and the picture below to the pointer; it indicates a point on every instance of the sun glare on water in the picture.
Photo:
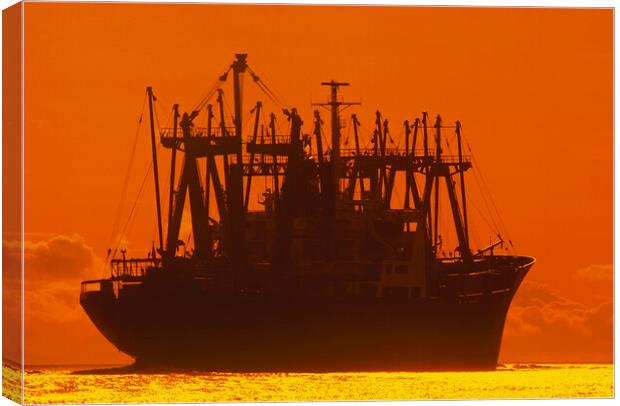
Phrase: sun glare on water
(46, 385)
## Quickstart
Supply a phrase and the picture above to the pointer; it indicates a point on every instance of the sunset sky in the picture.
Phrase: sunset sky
(532, 87)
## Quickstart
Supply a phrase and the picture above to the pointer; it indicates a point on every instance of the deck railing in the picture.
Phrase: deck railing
(346, 153)
(132, 267)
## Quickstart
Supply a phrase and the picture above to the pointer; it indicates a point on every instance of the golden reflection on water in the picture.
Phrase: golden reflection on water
(11, 382)
(509, 381)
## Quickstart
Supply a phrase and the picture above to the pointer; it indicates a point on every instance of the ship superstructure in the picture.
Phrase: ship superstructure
(333, 273)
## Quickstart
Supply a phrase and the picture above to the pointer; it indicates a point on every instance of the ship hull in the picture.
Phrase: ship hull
(222, 331)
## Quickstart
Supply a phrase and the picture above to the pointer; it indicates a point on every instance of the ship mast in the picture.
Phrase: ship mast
(175, 112)
(334, 105)
(462, 176)
(149, 90)
(239, 67)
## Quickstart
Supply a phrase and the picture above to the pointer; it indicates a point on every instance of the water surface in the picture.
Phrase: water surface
(59, 385)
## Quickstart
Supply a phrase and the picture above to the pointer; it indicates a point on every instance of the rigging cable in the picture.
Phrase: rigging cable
(131, 213)
(131, 220)
(482, 216)
(347, 135)
(484, 189)
(227, 110)
(212, 89)
(263, 86)
(496, 228)
(163, 107)
(119, 210)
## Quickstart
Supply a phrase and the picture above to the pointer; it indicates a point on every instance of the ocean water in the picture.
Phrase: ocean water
(59, 385)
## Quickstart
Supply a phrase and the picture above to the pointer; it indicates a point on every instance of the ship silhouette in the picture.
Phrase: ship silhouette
(332, 274)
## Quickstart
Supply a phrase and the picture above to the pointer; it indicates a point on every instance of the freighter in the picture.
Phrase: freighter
(335, 272)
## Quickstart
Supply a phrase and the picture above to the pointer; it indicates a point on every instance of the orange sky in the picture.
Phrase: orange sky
(532, 87)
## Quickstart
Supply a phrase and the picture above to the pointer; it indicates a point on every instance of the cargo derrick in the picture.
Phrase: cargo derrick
(330, 210)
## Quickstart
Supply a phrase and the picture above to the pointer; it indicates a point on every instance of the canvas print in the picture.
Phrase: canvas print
(225, 202)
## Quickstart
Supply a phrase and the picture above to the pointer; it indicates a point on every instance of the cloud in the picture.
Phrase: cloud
(53, 270)
(595, 273)
(57, 330)
(55, 259)
(60, 257)
(544, 325)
